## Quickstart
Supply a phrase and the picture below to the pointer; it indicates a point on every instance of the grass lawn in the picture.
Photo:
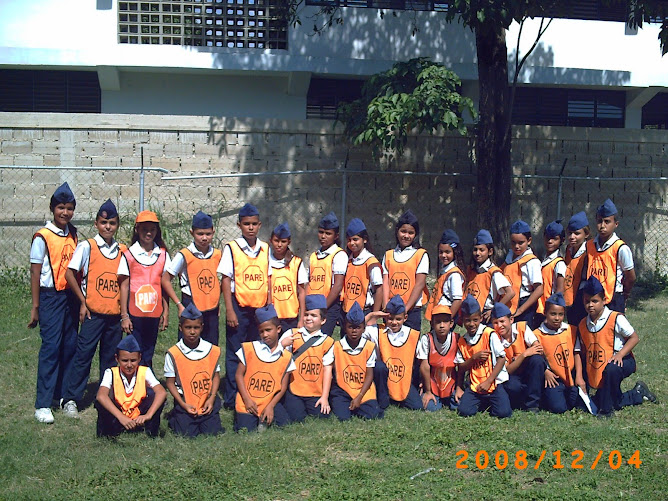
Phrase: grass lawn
(328, 459)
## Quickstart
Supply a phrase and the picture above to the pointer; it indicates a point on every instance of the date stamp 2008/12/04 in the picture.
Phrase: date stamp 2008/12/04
(520, 460)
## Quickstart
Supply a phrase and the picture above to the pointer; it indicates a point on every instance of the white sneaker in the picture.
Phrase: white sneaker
(44, 415)
(70, 409)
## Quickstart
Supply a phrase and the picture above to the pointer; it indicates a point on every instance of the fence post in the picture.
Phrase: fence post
(561, 180)
(141, 182)
(344, 182)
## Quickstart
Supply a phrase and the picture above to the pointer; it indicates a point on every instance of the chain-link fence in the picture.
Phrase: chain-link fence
(302, 197)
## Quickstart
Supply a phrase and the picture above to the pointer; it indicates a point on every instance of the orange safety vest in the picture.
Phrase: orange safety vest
(306, 380)
(59, 251)
(350, 370)
(401, 276)
(195, 377)
(518, 346)
(321, 277)
(599, 346)
(603, 265)
(480, 371)
(442, 367)
(437, 291)
(145, 286)
(573, 276)
(547, 272)
(513, 273)
(261, 379)
(559, 352)
(129, 402)
(284, 289)
(479, 285)
(399, 361)
(251, 275)
(102, 291)
(356, 283)
(203, 279)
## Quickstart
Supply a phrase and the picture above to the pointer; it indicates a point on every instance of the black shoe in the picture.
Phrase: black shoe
(642, 388)
(605, 415)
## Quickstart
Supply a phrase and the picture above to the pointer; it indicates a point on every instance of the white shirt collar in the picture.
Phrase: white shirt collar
(58, 231)
(581, 250)
(511, 258)
(200, 348)
(262, 346)
(596, 326)
(308, 335)
(197, 253)
(398, 249)
(102, 243)
(363, 257)
(549, 258)
(243, 243)
(448, 267)
(138, 250)
(474, 339)
(329, 250)
(346, 346)
(546, 330)
(484, 266)
(613, 238)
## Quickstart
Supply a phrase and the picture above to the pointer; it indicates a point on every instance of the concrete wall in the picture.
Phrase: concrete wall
(441, 190)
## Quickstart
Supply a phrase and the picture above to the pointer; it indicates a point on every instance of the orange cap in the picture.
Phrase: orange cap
(441, 308)
(147, 216)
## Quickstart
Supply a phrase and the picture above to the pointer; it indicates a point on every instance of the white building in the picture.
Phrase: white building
(235, 58)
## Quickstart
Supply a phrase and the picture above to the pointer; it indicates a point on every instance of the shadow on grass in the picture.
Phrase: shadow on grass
(644, 291)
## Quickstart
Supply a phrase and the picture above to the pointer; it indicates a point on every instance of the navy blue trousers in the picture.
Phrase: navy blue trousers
(576, 312)
(528, 314)
(497, 402)
(441, 402)
(187, 425)
(289, 323)
(340, 402)
(618, 302)
(333, 318)
(525, 385)
(210, 320)
(102, 329)
(246, 331)
(145, 329)
(380, 374)
(251, 422)
(300, 407)
(609, 395)
(109, 426)
(561, 398)
(58, 321)
(414, 319)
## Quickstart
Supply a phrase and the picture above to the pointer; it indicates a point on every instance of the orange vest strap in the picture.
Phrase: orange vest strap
(350, 370)
(573, 276)
(284, 289)
(603, 265)
(59, 251)
(437, 291)
(102, 290)
(442, 367)
(399, 361)
(559, 352)
(513, 273)
(481, 370)
(195, 377)
(261, 379)
(250, 275)
(599, 346)
(401, 276)
(356, 283)
(321, 276)
(479, 285)
(145, 286)
(129, 402)
(203, 279)
(547, 273)
(307, 379)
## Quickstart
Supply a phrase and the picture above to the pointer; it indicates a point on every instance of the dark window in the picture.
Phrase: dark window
(655, 112)
(384, 4)
(325, 95)
(571, 107)
(50, 91)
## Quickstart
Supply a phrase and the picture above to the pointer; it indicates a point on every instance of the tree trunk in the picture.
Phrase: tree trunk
(492, 152)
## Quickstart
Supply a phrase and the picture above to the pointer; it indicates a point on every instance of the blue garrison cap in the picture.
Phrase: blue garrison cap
(557, 298)
(107, 210)
(578, 221)
(592, 286)
(449, 237)
(316, 302)
(408, 218)
(470, 305)
(355, 227)
(265, 314)
(555, 229)
(483, 238)
(355, 316)
(519, 226)
(282, 231)
(130, 344)
(607, 209)
(248, 210)
(63, 195)
(191, 312)
(500, 310)
(202, 221)
(395, 306)
(329, 222)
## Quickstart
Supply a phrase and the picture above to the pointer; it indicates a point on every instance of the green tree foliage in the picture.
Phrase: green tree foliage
(414, 96)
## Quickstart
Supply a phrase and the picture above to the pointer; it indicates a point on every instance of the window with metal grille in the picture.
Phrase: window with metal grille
(572, 107)
(256, 24)
(49, 91)
(325, 94)
(655, 112)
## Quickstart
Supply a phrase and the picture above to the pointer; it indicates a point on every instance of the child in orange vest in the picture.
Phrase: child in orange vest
(553, 267)
(396, 374)
(246, 286)
(130, 398)
(449, 288)
(484, 280)
(100, 311)
(313, 353)
(610, 260)
(523, 271)
(561, 347)
(481, 354)
(441, 345)
(144, 309)
(196, 267)
(405, 269)
(608, 338)
(353, 391)
(363, 283)
(54, 306)
(524, 361)
(263, 376)
(288, 279)
(193, 377)
(576, 257)
(327, 270)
